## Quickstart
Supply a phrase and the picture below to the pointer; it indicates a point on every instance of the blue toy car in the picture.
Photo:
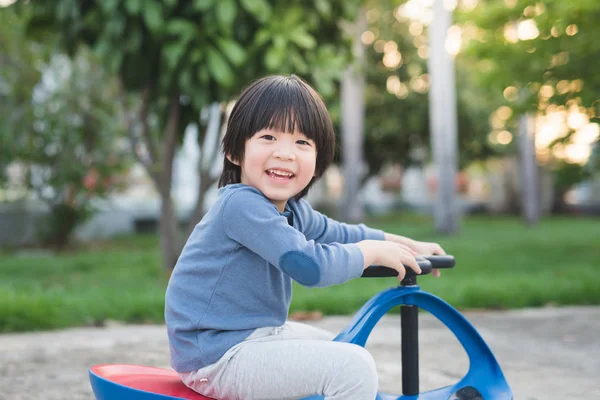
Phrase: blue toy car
(483, 381)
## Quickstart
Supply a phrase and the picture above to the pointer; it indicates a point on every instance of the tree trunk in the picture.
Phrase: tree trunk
(61, 223)
(209, 152)
(169, 233)
(171, 242)
(443, 117)
(353, 115)
(158, 163)
(530, 207)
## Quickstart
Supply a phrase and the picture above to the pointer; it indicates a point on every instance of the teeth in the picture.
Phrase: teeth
(280, 173)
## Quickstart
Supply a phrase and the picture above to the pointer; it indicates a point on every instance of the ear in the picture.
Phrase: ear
(232, 160)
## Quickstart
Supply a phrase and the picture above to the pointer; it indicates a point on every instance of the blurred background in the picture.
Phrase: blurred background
(473, 123)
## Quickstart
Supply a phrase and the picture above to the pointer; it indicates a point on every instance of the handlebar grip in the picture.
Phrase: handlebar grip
(378, 271)
(427, 264)
(441, 261)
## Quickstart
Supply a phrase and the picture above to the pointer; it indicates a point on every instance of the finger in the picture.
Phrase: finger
(409, 260)
(401, 272)
(406, 248)
(406, 253)
(439, 251)
(412, 263)
(435, 272)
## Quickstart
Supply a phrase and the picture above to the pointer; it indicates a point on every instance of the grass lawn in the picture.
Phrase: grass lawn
(500, 264)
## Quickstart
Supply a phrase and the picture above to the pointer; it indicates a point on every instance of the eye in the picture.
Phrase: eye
(303, 142)
(268, 137)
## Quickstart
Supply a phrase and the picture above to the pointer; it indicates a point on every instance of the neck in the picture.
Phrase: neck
(280, 205)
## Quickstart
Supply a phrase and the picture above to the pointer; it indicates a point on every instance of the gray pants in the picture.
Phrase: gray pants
(288, 362)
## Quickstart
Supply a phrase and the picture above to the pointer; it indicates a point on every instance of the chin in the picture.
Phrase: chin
(278, 198)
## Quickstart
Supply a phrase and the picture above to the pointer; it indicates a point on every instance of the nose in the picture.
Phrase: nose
(284, 152)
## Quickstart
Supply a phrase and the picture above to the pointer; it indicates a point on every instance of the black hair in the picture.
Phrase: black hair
(281, 103)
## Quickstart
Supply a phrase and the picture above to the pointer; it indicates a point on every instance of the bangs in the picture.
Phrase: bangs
(288, 106)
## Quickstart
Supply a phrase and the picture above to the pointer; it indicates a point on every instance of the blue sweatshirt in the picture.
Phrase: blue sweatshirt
(235, 272)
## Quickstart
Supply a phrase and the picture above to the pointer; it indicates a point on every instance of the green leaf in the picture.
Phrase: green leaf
(324, 8)
(232, 50)
(203, 75)
(170, 3)
(218, 68)
(114, 61)
(108, 6)
(133, 40)
(62, 10)
(279, 42)
(226, 12)
(133, 6)
(153, 15)
(196, 55)
(115, 27)
(298, 62)
(200, 97)
(103, 47)
(262, 37)
(293, 16)
(182, 27)
(202, 5)
(326, 87)
(185, 79)
(350, 10)
(274, 58)
(303, 39)
(173, 52)
(261, 9)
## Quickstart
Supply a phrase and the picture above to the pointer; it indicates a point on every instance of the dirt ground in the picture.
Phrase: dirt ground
(546, 354)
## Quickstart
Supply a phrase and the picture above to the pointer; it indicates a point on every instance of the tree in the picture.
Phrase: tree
(540, 57)
(59, 130)
(73, 146)
(174, 57)
(397, 85)
(533, 47)
(18, 76)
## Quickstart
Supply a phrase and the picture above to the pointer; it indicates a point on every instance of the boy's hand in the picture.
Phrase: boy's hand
(428, 249)
(420, 248)
(389, 254)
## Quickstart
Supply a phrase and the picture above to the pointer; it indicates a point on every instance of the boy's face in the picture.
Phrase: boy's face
(278, 164)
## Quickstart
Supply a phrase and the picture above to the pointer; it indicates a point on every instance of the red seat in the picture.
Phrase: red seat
(115, 381)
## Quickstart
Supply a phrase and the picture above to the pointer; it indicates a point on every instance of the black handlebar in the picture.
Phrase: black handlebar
(440, 262)
(427, 264)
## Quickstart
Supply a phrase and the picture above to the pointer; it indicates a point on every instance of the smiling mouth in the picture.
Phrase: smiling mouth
(277, 174)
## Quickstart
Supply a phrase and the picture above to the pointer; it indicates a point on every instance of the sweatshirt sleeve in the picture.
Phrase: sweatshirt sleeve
(323, 229)
(255, 223)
